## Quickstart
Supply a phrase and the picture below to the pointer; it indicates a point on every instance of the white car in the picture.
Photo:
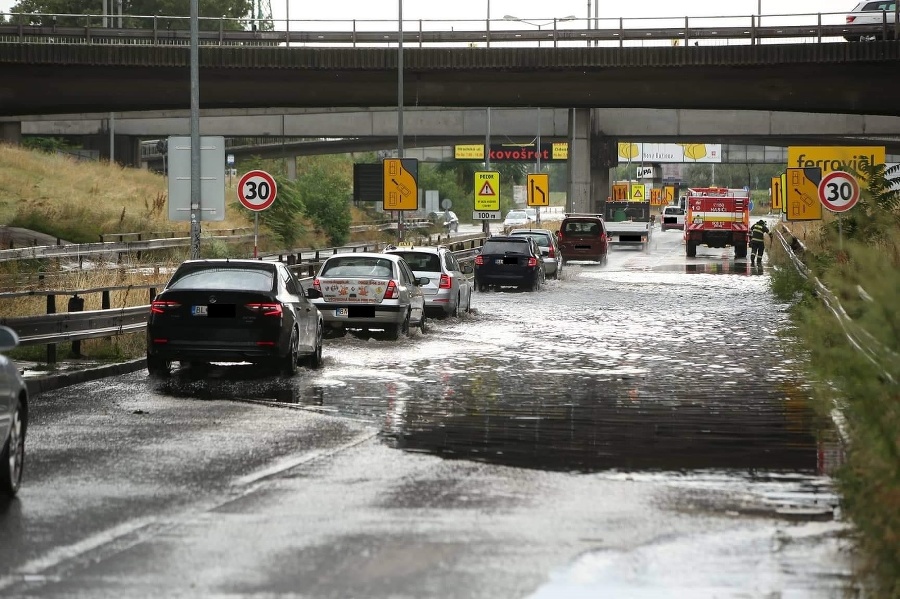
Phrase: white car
(13, 417)
(872, 14)
(514, 219)
(672, 218)
(366, 291)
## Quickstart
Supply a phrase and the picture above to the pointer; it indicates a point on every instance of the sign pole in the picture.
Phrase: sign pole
(400, 104)
(255, 234)
(195, 130)
(537, 211)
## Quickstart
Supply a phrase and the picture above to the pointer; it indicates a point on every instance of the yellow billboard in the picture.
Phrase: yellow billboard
(834, 158)
(468, 152)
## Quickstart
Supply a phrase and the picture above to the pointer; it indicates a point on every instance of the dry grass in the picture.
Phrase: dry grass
(82, 199)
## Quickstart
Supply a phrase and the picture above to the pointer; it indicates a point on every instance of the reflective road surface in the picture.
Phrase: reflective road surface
(634, 430)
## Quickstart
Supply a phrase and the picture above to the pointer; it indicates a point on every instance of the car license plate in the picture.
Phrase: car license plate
(342, 312)
(198, 310)
(498, 261)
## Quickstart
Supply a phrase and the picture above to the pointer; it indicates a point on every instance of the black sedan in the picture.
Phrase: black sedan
(234, 311)
(509, 261)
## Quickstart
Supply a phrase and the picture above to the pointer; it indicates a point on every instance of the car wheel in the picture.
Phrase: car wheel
(469, 303)
(314, 360)
(455, 311)
(396, 331)
(157, 366)
(12, 458)
(289, 361)
(423, 325)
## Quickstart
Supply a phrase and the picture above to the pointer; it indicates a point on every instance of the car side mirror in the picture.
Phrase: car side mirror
(313, 293)
(422, 281)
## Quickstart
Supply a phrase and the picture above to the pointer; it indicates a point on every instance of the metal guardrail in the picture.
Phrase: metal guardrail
(51, 329)
(157, 30)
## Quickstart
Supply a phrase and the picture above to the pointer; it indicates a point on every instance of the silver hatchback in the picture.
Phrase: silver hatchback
(550, 254)
(449, 289)
(13, 417)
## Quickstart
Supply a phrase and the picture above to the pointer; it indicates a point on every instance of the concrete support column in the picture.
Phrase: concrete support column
(291, 168)
(579, 184)
(604, 159)
(11, 132)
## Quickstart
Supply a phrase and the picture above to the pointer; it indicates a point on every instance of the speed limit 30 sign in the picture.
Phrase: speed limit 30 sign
(257, 190)
(838, 191)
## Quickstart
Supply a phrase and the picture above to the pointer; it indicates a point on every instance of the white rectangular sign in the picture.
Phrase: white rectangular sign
(645, 172)
(485, 215)
(678, 153)
(212, 177)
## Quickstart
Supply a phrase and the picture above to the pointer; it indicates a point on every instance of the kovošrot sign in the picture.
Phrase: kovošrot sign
(834, 158)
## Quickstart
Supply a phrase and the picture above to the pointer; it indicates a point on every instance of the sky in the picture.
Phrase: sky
(536, 10)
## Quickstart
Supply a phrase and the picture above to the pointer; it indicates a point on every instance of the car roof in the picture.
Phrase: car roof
(387, 255)
(230, 262)
(426, 249)
(520, 232)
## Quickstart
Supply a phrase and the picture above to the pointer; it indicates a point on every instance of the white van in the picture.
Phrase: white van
(672, 218)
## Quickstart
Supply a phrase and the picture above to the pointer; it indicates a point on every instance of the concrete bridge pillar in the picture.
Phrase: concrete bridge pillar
(579, 185)
(604, 159)
(291, 168)
(11, 132)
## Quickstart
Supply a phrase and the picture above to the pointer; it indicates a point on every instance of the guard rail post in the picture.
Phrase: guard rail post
(51, 347)
(76, 304)
(104, 299)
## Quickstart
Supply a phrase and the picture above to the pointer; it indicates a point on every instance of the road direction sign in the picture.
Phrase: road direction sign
(839, 191)
(669, 195)
(487, 191)
(801, 200)
(401, 185)
(776, 193)
(257, 190)
(620, 192)
(538, 188)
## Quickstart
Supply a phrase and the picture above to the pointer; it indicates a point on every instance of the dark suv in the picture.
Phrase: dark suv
(583, 237)
(509, 261)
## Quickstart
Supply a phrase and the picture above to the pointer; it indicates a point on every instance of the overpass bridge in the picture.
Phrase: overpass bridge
(857, 79)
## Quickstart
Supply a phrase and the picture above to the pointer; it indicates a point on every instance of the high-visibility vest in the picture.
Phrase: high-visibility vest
(758, 232)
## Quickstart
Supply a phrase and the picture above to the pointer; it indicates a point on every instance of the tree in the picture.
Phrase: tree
(324, 184)
(211, 12)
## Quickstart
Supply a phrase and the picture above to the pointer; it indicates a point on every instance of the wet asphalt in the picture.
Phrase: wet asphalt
(635, 430)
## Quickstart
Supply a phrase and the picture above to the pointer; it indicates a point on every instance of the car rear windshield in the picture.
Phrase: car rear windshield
(505, 247)
(421, 260)
(541, 238)
(232, 279)
(516, 214)
(582, 227)
(358, 266)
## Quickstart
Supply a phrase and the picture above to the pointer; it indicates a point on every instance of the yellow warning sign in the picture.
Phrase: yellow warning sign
(487, 191)
(802, 200)
(401, 188)
(776, 193)
(638, 192)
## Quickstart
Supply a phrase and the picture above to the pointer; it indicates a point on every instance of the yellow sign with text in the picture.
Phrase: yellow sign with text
(803, 194)
(560, 150)
(834, 158)
(487, 191)
(468, 152)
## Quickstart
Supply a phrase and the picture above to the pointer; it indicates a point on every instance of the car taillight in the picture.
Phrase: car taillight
(559, 237)
(161, 306)
(532, 262)
(391, 291)
(479, 260)
(265, 309)
(851, 19)
(445, 282)
(551, 253)
(316, 284)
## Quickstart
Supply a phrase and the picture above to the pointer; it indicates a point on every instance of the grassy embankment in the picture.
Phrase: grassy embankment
(77, 202)
(861, 266)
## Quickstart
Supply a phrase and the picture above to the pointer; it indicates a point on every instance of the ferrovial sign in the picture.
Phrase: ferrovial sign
(834, 158)
(676, 153)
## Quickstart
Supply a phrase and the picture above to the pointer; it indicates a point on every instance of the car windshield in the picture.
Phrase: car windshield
(505, 247)
(238, 279)
(423, 261)
(358, 266)
(541, 238)
(516, 215)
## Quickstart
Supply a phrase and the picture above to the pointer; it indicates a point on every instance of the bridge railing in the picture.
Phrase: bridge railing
(565, 32)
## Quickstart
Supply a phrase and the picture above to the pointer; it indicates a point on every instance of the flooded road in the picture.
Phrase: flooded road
(633, 430)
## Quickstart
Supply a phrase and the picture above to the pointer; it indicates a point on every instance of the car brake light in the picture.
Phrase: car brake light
(391, 291)
(532, 261)
(316, 284)
(551, 253)
(445, 282)
(161, 306)
(479, 260)
(265, 309)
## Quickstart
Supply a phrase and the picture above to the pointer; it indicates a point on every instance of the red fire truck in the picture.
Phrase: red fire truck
(717, 217)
